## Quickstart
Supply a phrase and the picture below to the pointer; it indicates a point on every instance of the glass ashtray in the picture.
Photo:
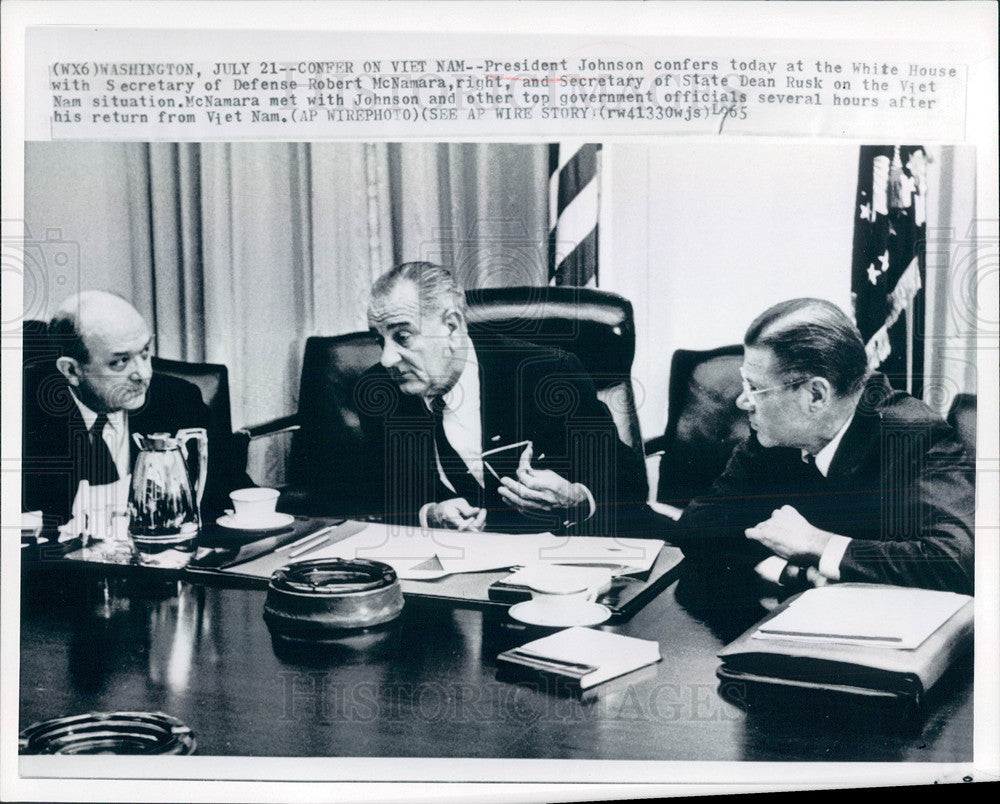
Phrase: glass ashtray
(148, 733)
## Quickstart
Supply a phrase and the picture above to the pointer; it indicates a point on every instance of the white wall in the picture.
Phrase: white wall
(702, 238)
(957, 286)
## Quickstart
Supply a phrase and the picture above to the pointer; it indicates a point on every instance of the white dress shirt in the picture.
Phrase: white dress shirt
(463, 428)
(115, 435)
(94, 507)
(829, 562)
(461, 421)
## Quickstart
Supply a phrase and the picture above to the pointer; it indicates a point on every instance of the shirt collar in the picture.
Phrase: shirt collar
(466, 388)
(115, 419)
(825, 456)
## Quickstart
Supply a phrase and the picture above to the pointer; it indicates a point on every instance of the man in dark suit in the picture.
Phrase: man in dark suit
(842, 478)
(471, 434)
(81, 413)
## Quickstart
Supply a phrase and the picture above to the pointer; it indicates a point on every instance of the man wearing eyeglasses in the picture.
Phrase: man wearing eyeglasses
(80, 413)
(842, 478)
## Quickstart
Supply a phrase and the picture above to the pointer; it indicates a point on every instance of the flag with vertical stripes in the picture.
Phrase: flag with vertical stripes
(888, 268)
(574, 207)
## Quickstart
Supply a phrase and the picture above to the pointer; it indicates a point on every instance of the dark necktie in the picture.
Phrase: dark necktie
(812, 470)
(98, 463)
(454, 467)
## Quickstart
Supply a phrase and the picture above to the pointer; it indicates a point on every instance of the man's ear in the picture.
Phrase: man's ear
(70, 369)
(820, 392)
(454, 320)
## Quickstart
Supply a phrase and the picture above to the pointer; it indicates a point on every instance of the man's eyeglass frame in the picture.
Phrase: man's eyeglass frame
(752, 393)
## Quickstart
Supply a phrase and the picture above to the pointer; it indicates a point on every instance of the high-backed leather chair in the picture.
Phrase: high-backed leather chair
(962, 416)
(327, 442)
(594, 325)
(212, 379)
(703, 422)
(225, 447)
(36, 347)
(323, 463)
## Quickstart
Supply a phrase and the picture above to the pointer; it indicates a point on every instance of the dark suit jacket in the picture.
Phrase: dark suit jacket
(52, 424)
(526, 392)
(900, 486)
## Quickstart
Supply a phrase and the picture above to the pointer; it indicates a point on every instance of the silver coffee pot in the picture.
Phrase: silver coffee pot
(162, 500)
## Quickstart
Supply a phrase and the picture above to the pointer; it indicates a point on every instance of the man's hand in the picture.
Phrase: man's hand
(815, 577)
(789, 535)
(540, 489)
(455, 514)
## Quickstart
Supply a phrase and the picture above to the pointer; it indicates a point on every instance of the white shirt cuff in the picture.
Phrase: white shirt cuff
(829, 562)
(591, 503)
(591, 508)
(770, 568)
(423, 514)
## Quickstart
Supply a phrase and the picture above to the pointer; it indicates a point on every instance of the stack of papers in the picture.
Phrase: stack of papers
(427, 553)
(887, 616)
(583, 656)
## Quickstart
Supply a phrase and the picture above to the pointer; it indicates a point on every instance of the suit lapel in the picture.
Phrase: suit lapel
(490, 435)
(499, 400)
(863, 434)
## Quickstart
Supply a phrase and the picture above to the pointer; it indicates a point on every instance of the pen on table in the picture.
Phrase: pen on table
(308, 548)
(300, 543)
(319, 539)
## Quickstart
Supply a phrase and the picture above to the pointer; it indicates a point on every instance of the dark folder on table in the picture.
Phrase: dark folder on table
(857, 643)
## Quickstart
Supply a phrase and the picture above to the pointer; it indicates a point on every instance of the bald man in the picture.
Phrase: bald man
(79, 418)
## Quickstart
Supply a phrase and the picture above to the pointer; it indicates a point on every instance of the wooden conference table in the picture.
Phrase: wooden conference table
(427, 686)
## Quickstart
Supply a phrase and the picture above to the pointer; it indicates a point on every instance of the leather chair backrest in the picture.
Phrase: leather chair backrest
(36, 347)
(38, 359)
(324, 453)
(962, 416)
(596, 326)
(212, 379)
(703, 422)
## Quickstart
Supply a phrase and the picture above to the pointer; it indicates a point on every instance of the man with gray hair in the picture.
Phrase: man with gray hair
(842, 477)
(471, 434)
(80, 413)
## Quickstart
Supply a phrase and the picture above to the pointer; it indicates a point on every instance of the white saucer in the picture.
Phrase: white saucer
(271, 522)
(535, 612)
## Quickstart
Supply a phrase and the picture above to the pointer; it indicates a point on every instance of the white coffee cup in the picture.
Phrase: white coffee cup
(561, 594)
(564, 603)
(253, 505)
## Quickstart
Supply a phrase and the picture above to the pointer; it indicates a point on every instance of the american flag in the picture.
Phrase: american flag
(889, 263)
(574, 207)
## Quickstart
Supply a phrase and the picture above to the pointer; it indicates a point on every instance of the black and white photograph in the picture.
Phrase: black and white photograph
(605, 459)
(307, 315)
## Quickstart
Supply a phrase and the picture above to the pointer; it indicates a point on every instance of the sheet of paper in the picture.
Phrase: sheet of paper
(406, 549)
(858, 614)
(560, 579)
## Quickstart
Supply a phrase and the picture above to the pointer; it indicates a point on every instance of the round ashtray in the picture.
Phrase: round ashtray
(109, 733)
(328, 599)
